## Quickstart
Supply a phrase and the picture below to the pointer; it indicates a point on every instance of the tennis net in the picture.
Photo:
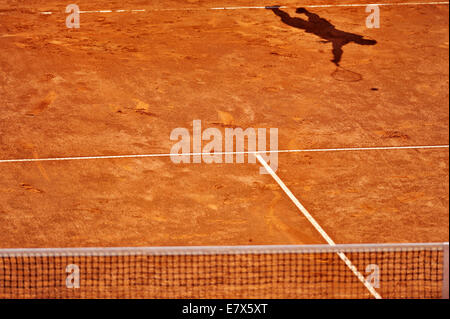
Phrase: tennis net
(263, 272)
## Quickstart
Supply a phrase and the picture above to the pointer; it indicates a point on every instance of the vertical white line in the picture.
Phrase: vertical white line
(445, 294)
(316, 225)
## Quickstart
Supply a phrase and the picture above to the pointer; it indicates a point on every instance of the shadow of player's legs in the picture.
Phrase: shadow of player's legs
(338, 51)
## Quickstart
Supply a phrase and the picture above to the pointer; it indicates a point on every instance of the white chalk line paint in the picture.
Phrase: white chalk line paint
(317, 226)
(137, 156)
(261, 7)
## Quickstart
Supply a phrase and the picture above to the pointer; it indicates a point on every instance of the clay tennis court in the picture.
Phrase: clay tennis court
(367, 141)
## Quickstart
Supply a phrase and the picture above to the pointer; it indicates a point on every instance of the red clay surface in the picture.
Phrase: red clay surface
(122, 82)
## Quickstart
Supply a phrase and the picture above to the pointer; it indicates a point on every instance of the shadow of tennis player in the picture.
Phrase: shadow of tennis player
(324, 29)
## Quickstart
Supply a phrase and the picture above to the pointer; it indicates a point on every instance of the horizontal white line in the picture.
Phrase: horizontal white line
(242, 8)
(224, 250)
(377, 4)
(352, 149)
(263, 7)
(106, 11)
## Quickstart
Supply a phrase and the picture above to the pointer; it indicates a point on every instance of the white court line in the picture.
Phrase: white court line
(377, 4)
(352, 149)
(244, 8)
(263, 7)
(319, 228)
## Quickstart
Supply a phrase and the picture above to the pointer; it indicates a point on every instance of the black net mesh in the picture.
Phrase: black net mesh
(253, 273)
